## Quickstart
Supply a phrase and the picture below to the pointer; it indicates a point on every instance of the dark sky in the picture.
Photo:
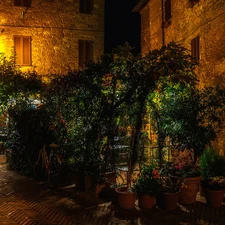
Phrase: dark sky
(121, 24)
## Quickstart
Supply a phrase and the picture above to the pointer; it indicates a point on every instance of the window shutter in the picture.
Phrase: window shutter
(89, 6)
(26, 2)
(195, 48)
(17, 2)
(167, 10)
(18, 50)
(26, 51)
(90, 51)
(81, 53)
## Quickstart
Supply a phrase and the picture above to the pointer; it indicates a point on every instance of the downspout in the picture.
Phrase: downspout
(163, 29)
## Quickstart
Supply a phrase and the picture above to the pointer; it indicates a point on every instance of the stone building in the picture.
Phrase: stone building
(52, 36)
(199, 25)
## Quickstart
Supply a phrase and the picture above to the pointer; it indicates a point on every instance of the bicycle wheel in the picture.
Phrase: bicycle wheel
(54, 172)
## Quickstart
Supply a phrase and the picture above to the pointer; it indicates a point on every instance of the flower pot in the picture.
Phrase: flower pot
(214, 198)
(146, 201)
(189, 191)
(125, 199)
(167, 201)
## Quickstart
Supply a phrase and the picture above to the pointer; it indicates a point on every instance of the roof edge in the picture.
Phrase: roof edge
(140, 5)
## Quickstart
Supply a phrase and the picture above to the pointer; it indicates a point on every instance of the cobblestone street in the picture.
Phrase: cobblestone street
(28, 202)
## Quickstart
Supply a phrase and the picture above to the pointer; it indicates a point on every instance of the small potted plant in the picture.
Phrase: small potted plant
(214, 191)
(211, 165)
(147, 186)
(171, 184)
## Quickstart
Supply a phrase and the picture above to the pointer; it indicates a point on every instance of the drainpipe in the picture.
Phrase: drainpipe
(163, 29)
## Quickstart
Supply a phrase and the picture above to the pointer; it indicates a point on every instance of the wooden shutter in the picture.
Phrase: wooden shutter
(195, 48)
(89, 6)
(167, 10)
(89, 50)
(18, 50)
(26, 3)
(17, 2)
(26, 51)
(81, 53)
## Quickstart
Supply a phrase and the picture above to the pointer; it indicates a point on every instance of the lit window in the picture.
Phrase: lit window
(23, 3)
(86, 6)
(195, 48)
(22, 50)
(167, 5)
(85, 51)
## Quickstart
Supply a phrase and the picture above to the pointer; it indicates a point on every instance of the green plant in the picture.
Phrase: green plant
(215, 183)
(211, 164)
(148, 182)
(170, 180)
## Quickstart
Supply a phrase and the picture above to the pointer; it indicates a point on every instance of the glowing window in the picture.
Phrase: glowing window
(23, 3)
(86, 6)
(22, 50)
(86, 52)
(195, 48)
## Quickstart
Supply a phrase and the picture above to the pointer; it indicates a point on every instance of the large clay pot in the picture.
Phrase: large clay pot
(214, 198)
(189, 191)
(125, 199)
(146, 201)
(167, 201)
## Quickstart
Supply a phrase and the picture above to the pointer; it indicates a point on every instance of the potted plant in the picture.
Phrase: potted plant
(211, 165)
(147, 186)
(171, 184)
(214, 191)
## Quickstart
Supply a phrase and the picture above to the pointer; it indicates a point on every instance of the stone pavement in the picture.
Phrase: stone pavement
(28, 202)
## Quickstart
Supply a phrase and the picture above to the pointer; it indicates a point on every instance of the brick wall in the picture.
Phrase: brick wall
(55, 27)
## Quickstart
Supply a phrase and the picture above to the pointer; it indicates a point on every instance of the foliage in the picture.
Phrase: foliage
(211, 164)
(148, 182)
(187, 115)
(170, 181)
(215, 183)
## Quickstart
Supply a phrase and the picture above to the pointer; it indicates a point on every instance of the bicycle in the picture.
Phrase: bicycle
(49, 166)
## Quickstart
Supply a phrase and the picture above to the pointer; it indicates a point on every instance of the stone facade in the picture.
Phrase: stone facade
(189, 18)
(55, 28)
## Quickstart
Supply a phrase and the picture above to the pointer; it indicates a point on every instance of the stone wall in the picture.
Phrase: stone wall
(205, 18)
(55, 27)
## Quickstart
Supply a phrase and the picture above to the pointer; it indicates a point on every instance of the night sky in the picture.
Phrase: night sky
(121, 24)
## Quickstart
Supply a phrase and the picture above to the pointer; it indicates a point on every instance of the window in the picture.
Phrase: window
(86, 6)
(167, 5)
(86, 52)
(195, 48)
(22, 47)
(24, 3)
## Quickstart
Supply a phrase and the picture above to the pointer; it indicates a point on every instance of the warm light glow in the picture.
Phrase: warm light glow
(2, 45)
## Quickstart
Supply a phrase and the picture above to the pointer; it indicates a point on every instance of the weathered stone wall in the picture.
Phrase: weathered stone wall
(205, 18)
(55, 27)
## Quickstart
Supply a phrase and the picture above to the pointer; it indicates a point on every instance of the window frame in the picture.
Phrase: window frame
(22, 50)
(195, 48)
(86, 6)
(22, 3)
(86, 53)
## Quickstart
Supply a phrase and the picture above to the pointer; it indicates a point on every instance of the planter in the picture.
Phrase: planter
(214, 198)
(167, 201)
(92, 189)
(125, 199)
(146, 201)
(189, 191)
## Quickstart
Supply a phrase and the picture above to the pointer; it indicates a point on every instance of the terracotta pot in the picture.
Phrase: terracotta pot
(146, 201)
(125, 199)
(167, 201)
(189, 191)
(214, 198)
